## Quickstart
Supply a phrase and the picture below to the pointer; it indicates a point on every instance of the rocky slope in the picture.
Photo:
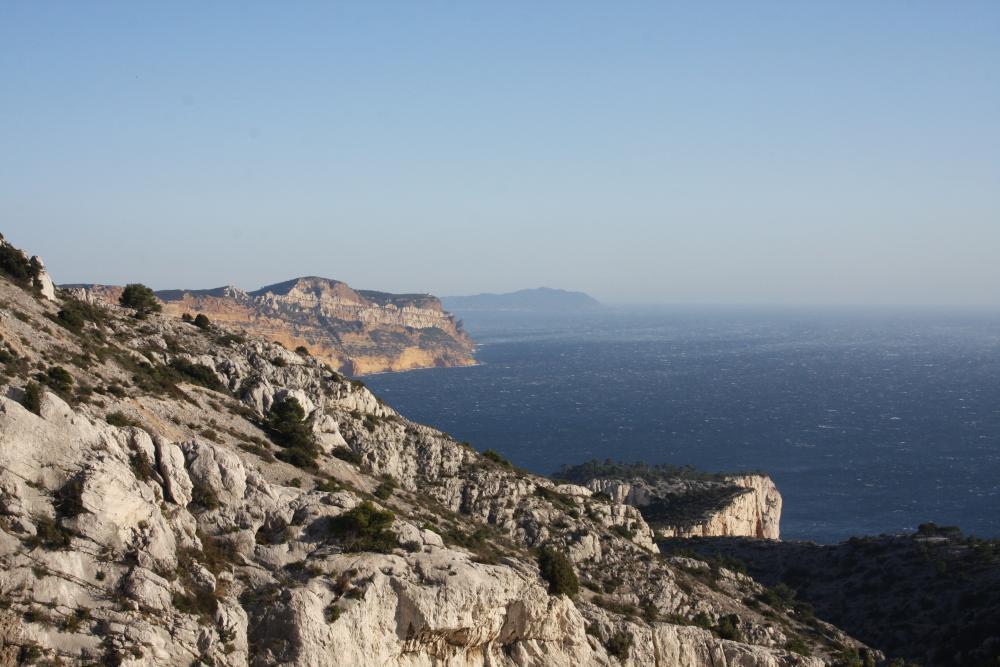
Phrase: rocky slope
(680, 502)
(355, 331)
(929, 598)
(174, 495)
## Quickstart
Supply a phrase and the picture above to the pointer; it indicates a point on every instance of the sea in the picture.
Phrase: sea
(870, 421)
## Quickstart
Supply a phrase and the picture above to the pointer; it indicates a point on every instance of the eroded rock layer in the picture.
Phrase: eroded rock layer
(355, 331)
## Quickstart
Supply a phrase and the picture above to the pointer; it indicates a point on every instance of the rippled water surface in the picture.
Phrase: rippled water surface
(869, 422)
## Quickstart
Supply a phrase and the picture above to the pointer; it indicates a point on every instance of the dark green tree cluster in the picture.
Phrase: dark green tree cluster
(20, 269)
(139, 298)
(200, 320)
(57, 378)
(619, 644)
(199, 374)
(364, 528)
(557, 569)
(286, 424)
(75, 313)
(32, 398)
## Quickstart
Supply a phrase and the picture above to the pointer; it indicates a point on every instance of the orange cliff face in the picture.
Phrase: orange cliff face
(355, 331)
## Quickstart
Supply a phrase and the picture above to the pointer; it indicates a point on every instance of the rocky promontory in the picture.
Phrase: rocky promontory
(682, 502)
(355, 331)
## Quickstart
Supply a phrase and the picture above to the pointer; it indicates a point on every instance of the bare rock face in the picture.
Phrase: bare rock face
(45, 284)
(683, 502)
(157, 509)
(355, 331)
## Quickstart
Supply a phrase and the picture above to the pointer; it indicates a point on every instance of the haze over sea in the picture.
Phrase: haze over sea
(868, 421)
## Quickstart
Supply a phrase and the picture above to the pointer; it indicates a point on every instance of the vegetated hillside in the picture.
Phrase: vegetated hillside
(354, 331)
(541, 299)
(931, 598)
(173, 492)
(684, 502)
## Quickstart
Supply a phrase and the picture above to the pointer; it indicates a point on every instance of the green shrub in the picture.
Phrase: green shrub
(67, 499)
(302, 350)
(728, 627)
(619, 645)
(154, 379)
(204, 496)
(58, 378)
(477, 542)
(372, 422)
(141, 466)
(558, 571)
(623, 532)
(139, 298)
(199, 374)
(49, 534)
(32, 398)
(201, 321)
(299, 458)
(364, 528)
(329, 485)
(201, 602)
(285, 423)
(29, 653)
(230, 339)
(796, 645)
(20, 269)
(120, 419)
(75, 313)
(347, 454)
(779, 597)
(70, 319)
(554, 497)
(385, 488)
(497, 458)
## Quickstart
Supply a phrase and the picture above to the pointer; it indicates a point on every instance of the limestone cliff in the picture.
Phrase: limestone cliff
(681, 503)
(355, 331)
(172, 495)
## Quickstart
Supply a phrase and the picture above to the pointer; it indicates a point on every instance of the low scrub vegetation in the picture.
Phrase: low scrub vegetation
(557, 569)
(364, 528)
(19, 269)
(198, 374)
(32, 397)
(385, 487)
(286, 425)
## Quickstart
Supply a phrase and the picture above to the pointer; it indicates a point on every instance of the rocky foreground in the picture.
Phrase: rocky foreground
(354, 331)
(175, 494)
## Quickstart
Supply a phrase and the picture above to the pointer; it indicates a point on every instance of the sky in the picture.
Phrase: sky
(672, 152)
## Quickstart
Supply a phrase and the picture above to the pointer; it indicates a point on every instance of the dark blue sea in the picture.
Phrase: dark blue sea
(869, 421)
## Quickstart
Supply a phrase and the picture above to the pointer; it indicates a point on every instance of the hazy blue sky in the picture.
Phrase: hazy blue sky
(792, 152)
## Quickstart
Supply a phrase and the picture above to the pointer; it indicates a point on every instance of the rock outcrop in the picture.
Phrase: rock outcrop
(355, 331)
(173, 495)
(684, 503)
(25, 271)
